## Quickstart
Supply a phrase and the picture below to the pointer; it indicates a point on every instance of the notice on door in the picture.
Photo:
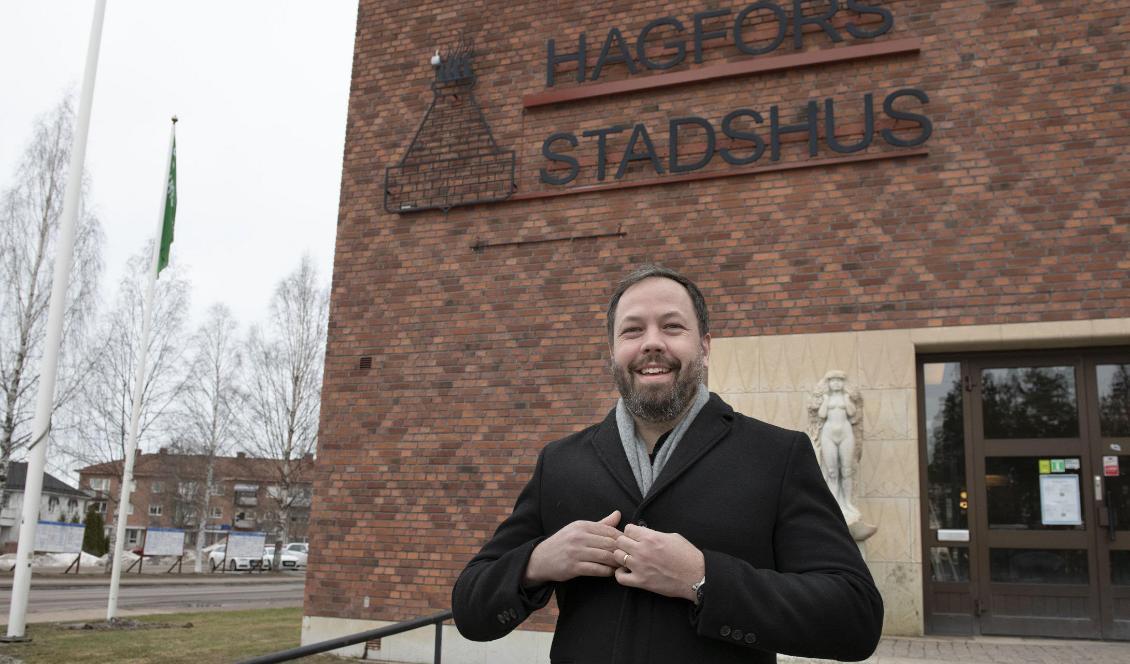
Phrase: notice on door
(1060, 504)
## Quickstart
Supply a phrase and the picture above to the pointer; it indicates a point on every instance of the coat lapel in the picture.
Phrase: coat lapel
(714, 421)
(610, 451)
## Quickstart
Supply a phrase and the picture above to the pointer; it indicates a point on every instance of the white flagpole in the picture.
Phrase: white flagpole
(48, 368)
(138, 385)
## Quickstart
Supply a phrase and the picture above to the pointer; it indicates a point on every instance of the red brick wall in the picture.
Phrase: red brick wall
(1018, 213)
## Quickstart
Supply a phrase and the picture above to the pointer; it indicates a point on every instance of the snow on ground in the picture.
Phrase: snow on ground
(53, 559)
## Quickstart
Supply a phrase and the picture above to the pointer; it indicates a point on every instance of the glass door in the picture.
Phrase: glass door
(947, 510)
(1038, 567)
(1026, 503)
(1109, 383)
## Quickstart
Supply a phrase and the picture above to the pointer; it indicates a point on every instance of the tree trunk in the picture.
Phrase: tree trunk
(198, 567)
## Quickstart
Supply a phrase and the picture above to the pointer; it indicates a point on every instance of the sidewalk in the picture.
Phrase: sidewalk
(989, 650)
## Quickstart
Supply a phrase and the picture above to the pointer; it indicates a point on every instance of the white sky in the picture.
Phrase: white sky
(260, 88)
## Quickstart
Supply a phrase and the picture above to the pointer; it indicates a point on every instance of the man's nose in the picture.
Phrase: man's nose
(653, 341)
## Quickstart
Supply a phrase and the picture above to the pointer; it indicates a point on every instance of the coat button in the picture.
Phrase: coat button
(501, 618)
(750, 638)
(737, 635)
(725, 631)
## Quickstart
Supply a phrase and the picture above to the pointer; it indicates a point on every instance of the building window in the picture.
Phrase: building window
(100, 483)
(217, 489)
(133, 535)
(72, 505)
(217, 512)
(157, 487)
(130, 510)
(98, 506)
(154, 510)
(52, 503)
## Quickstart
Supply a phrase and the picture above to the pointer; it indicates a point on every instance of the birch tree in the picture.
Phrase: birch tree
(100, 414)
(284, 385)
(30, 216)
(211, 405)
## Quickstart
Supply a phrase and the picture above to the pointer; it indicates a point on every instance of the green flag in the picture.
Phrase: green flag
(170, 211)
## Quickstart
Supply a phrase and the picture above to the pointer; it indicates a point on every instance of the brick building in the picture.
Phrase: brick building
(929, 196)
(169, 486)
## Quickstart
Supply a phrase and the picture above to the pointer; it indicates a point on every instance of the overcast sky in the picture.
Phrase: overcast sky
(260, 88)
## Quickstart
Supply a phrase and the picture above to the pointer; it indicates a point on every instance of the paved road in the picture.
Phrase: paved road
(88, 602)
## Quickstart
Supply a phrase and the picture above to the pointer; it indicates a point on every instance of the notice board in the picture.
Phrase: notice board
(59, 537)
(164, 542)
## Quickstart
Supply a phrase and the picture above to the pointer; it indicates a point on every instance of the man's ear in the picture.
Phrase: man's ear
(706, 349)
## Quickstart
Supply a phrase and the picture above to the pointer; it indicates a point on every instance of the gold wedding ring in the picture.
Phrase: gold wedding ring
(626, 556)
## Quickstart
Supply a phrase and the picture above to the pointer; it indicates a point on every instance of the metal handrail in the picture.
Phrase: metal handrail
(351, 639)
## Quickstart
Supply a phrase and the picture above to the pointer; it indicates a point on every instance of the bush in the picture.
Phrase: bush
(94, 539)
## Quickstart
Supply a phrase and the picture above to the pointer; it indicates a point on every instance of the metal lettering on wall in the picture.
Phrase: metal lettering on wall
(886, 121)
(453, 159)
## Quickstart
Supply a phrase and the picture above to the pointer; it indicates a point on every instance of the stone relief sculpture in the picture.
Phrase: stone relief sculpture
(835, 417)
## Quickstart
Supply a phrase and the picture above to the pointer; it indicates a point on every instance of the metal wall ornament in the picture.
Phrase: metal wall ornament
(453, 159)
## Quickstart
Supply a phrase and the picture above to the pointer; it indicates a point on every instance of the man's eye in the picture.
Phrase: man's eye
(674, 326)
(630, 330)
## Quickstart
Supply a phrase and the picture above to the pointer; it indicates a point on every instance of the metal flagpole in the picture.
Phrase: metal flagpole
(41, 426)
(138, 385)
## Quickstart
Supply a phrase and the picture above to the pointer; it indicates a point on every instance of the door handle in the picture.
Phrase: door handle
(1111, 518)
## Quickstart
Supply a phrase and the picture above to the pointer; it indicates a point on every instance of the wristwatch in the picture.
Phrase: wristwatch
(697, 588)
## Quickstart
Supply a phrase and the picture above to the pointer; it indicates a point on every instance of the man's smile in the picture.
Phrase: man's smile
(654, 372)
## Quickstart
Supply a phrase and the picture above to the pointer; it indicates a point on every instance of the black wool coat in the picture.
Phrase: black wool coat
(782, 572)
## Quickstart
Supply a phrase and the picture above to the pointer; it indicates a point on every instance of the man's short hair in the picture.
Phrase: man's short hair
(647, 272)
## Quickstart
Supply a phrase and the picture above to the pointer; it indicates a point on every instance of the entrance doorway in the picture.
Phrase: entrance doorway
(1026, 505)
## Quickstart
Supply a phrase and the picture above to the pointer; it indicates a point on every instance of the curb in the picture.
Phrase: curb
(156, 580)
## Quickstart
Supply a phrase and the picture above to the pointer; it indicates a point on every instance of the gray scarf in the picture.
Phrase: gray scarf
(636, 448)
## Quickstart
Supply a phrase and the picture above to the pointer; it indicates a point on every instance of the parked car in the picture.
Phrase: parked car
(287, 560)
(300, 550)
(217, 559)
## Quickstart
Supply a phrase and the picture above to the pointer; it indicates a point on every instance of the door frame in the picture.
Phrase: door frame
(966, 608)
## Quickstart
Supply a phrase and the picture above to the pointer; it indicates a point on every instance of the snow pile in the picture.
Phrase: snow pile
(63, 560)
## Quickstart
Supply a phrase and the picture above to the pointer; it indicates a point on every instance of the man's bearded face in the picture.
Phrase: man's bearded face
(658, 355)
(659, 402)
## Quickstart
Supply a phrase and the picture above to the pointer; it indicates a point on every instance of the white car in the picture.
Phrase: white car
(300, 550)
(217, 559)
(286, 561)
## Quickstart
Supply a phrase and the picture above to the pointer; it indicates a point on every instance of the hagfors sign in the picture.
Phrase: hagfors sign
(741, 136)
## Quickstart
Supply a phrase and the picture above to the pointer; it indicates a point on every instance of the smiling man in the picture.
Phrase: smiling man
(676, 530)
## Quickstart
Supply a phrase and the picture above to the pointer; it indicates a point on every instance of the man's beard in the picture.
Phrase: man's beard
(660, 403)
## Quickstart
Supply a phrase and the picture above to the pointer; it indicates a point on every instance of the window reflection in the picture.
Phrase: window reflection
(1012, 486)
(1120, 568)
(949, 564)
(1114, 399)
(945, 446)
(1029, 402)
(1117, 494)
(1038, 566)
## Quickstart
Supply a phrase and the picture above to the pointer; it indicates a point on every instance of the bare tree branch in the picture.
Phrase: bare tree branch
(210, 408)
(284, 375)
(98, 417)
(30, 214)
